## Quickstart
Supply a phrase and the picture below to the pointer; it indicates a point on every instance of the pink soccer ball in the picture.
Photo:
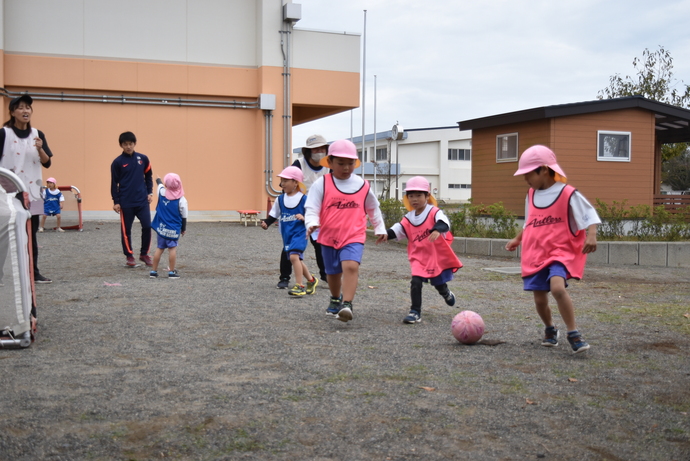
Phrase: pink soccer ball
(467, 327)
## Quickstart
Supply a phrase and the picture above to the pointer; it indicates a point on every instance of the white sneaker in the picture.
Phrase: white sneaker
(40, 229)
(60, 229)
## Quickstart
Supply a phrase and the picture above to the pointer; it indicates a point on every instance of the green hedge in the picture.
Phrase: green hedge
(644, 223)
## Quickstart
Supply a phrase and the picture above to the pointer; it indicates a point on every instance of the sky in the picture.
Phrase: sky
(438, 62)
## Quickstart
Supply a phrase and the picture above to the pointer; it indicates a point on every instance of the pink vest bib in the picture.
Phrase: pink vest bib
(428, 259)
(343, 216)
(547, 238)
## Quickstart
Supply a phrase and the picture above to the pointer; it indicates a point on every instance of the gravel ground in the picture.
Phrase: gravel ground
(221, 365)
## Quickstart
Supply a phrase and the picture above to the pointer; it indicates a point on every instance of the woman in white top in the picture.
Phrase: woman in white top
(24, 150)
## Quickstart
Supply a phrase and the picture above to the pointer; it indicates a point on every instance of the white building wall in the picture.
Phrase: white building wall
(243, 33)
(217, 32)
(314, 50)
(424, 152)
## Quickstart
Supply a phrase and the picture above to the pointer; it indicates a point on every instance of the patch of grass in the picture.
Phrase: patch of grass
(339, 377)
(512, 386)
(374, 394)
(242, 441)
(668, 314)
(416, 369)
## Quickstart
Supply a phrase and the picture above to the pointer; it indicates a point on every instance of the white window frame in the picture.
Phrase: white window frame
(499, 147)
(383, 150)
(600, 146)
(454, 154)
(362, 156)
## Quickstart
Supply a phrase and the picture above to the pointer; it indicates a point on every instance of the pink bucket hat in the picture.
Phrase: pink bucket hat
(344, 149)
(537, 156)
(292, 172)
(51, 179)
(420, 184)
(173, 186)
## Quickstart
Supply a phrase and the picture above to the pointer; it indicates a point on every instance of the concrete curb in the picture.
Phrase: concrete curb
(660, 254)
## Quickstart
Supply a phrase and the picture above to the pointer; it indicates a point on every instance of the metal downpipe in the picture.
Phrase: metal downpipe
(269, 155)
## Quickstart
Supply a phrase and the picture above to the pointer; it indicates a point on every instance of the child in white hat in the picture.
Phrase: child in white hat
(289, 209)
(338, 205)
(431, 258)
(52, 203)
(560, 230)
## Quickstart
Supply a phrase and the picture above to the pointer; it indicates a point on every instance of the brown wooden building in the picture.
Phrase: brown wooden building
(610, 149)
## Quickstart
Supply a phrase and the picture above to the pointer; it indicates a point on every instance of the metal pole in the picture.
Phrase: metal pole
(364, 86)
(375, 159)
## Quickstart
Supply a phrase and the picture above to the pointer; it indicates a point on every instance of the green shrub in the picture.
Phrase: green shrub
(481, 221)
(646, 224)
(392, 211)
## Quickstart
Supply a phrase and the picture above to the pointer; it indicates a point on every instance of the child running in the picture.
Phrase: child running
(289, 209)
(52, 203)
(170, 222)
(554, 242)
(431, 258)
(338, 205)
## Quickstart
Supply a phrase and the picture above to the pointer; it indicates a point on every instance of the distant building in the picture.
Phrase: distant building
(610, 149)
(443, 155)
(210, 88)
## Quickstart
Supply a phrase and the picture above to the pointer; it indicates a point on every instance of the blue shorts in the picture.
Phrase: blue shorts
(541, 281)
(164, 243)
(296, 252)
(444, 277)
(52, 214)
(332, 258)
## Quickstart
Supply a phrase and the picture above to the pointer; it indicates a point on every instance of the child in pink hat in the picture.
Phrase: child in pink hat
(170, 222)
(288, 209)
(560, 230)
(338, 205)
(52, 203)
(426, 229)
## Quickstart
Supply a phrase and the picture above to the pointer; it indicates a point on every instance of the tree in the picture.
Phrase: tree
(676, 172)
(655, 81)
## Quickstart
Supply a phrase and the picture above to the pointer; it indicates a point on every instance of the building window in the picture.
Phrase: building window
(613, 146)
(507, 147)
(359, 155)
(459, 186)
(459, 154)
(381, 155)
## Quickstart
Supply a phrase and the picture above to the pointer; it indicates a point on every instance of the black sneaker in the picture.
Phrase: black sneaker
(550, 337)
(450, 298)
(412, 317)
(345, 312)
(576, 342)
(283, 284)
(153, 274)
(173, 274)
(334, 306)
(38, 278)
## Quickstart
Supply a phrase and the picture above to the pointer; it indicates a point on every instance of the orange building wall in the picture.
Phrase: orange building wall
(574, 140)
(494, 182)
(218, 152)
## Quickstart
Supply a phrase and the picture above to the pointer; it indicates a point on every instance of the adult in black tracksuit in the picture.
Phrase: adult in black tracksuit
(131, 187)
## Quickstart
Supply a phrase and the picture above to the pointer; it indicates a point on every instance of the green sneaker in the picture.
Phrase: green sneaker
(311, 286)
(297, 290)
